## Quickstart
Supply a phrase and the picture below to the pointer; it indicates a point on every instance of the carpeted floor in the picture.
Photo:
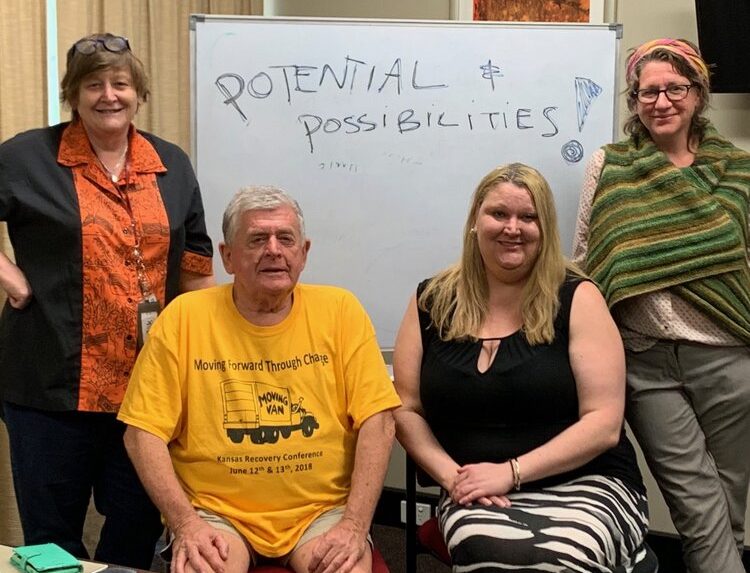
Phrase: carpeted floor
(391, 543)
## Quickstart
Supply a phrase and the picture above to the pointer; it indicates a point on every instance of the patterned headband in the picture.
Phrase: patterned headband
(678, 47)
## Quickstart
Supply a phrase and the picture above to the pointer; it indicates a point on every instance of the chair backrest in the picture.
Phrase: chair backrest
(650, 564)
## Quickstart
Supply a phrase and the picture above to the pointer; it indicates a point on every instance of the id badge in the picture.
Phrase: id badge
(147, 311)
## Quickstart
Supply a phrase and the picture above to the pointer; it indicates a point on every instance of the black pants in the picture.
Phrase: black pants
(58, 459)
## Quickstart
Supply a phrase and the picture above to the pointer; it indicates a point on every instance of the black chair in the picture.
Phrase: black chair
(650, 564)
(427, 537)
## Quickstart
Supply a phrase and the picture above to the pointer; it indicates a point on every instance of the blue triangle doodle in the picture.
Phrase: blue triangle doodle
(586, 92)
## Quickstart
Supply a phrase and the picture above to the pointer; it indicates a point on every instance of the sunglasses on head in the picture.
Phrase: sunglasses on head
(115, 44)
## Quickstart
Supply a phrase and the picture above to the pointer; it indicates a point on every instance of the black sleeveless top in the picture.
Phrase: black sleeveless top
(525, 398)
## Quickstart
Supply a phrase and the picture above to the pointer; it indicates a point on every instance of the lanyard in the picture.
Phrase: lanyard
(140, 265)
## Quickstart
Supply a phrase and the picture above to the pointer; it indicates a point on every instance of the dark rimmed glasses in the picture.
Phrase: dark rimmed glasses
(114, 44)
(673, 93)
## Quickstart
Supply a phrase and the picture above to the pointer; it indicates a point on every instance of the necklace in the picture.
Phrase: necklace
(114, 172)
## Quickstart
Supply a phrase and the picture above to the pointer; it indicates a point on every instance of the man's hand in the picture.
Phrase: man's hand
(198, 547)
(339, 549)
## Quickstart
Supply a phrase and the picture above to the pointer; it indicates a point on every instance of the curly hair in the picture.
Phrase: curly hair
(697, 75)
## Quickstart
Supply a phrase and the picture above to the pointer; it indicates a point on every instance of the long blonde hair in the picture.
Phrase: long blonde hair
(457, 298)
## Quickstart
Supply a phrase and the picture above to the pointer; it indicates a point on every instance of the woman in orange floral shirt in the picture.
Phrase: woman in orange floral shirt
(107, 227)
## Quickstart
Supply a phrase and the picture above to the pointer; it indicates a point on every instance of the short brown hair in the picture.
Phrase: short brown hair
(81, 65)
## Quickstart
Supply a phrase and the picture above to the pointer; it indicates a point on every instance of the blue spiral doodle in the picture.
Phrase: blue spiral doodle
(572, 152)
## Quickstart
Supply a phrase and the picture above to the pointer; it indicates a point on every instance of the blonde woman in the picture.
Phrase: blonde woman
(512, 377)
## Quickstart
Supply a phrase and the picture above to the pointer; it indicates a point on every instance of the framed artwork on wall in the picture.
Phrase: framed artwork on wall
(590, 11)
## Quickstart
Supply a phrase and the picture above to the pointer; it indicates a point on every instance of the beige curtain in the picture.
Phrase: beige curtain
(23, 70)
(23, 74)
(159, 36)
(22, 106)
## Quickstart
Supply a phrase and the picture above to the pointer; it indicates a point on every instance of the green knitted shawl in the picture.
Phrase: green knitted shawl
(655, 226)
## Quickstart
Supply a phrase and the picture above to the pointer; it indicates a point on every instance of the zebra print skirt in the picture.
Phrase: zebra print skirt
(589, 524)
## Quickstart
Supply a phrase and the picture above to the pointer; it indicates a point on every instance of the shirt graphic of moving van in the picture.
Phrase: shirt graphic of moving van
(263, 412)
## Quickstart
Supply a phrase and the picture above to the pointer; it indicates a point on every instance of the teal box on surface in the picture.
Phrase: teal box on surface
(45, 558)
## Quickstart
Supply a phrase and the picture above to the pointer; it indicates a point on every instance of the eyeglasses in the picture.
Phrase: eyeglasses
(673, 93)
(114, 44)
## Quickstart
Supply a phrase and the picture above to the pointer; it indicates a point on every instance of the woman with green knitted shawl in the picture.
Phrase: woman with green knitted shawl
(663, 229)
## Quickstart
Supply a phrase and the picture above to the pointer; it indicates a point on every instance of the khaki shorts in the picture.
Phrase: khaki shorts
(323, 523)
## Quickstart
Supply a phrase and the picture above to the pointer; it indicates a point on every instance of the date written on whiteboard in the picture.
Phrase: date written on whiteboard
(338, 166)
(403, 159)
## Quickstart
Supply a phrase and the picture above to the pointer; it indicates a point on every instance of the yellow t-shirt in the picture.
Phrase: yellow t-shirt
(261, 422)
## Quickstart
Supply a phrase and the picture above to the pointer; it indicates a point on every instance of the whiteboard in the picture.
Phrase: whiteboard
(382, 130)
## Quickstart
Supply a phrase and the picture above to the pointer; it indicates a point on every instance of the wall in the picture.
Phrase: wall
(644, 19)
(402, 9)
